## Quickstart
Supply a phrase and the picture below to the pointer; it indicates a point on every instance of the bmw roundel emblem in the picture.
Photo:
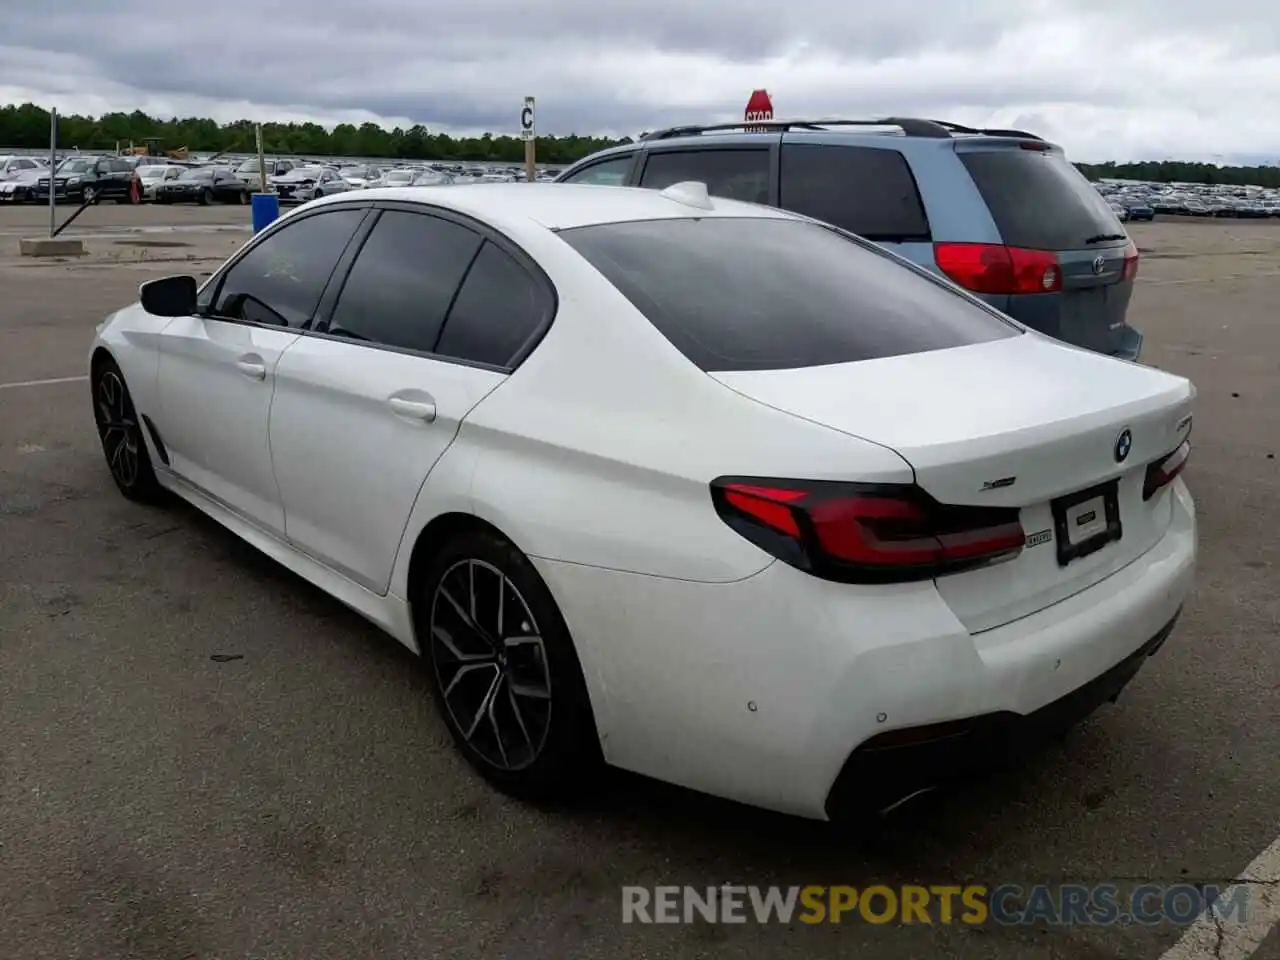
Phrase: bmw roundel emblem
(1099, 264)
(1124, 443)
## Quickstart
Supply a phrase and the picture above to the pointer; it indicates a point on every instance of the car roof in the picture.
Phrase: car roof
(561, 206)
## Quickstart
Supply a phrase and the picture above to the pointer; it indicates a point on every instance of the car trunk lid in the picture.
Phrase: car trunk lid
(1021, 423)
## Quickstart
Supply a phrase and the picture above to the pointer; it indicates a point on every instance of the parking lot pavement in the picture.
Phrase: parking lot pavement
(158, 800)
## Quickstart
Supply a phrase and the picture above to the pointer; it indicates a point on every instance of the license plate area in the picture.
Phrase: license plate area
(1087, 521)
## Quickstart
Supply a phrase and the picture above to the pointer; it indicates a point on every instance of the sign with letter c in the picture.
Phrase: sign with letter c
(527, 120)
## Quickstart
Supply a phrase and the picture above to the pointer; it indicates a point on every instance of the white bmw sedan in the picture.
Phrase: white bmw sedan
(704, 490)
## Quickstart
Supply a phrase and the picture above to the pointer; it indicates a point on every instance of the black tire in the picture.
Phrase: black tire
(120, 432)
(243, 198)
(206, 197)
(91, 195)
(537, 740)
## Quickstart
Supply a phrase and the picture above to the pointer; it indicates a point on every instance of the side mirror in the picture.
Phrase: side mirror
(169, 296)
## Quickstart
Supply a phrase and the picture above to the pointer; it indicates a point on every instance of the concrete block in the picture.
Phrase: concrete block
(45, 247)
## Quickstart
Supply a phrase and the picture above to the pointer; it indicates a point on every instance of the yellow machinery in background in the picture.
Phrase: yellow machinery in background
(152, 148)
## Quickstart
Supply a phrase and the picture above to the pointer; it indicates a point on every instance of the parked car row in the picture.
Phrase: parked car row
(155, 179)
(1142, 201)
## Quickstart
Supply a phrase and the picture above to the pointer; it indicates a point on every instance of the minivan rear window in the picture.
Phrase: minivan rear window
(1039, 200)
(745, 293)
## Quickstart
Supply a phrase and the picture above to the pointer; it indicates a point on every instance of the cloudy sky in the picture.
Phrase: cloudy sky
(1118, 79)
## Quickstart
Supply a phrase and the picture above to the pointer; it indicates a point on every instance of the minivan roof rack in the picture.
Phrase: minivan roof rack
(910, 126)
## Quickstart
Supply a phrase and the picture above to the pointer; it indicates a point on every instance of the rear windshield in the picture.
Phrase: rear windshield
(735, 293)
(1039, 200)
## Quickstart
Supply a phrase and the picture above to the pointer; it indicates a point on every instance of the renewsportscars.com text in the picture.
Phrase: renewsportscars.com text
(969, 904)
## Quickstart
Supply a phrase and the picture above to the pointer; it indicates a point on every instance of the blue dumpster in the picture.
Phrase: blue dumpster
(266, 210)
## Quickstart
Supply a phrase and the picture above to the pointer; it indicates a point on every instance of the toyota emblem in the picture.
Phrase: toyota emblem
(1124, 443)
(1099, 264)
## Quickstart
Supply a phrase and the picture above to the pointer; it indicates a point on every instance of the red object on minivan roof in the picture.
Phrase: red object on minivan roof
(759, 107)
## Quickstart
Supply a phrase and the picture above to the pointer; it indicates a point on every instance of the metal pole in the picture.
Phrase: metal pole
(531, 159)
(53, 162)
(262, 160)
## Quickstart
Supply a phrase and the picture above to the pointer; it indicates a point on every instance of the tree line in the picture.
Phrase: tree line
(27, 125)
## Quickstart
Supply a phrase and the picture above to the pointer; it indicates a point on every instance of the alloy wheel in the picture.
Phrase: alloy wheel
(491, 664)
(118, 429)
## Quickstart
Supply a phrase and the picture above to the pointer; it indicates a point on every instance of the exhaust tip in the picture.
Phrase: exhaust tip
(903, 801)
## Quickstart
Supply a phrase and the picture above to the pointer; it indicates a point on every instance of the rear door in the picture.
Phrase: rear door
(869, 191)
(430, 319)
(1040, 201)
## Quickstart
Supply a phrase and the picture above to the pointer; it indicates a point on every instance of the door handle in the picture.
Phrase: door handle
(414, 409)
(252, 368)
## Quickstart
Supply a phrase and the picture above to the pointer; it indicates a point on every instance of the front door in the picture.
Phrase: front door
(217, 371)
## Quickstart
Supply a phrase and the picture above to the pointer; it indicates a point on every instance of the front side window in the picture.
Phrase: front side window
(734, 293)
(610, 173)
(279, 281)
(733, 174)
(403, 281)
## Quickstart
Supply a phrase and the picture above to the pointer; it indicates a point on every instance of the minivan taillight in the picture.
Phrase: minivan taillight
(1163, 472)
(865, 533)
(1130, 262)
(997, 269)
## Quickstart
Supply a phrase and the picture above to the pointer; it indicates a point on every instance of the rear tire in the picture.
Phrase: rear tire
(120, 432)
(507, 680)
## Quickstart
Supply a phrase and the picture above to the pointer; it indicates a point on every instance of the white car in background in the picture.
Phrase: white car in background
(707, 490)
(151, 176)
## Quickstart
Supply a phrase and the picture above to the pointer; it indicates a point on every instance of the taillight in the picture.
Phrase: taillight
(995, 268)
(865, 533)
(1163, 472)
(1130, 262)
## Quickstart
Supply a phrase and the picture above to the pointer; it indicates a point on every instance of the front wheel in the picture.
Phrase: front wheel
(90, 194)
(206, 197)
(120, 431)
(243, 199)
(507, 679)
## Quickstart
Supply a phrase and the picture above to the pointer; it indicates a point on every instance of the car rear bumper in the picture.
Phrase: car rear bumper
(1130, 344)
(771, 690)
(884, 771)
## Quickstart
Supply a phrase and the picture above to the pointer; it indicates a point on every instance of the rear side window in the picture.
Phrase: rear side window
(733, 174)
(865, 190)
(403, 281)
(1040, 201)
(498, 310)
(763, 294)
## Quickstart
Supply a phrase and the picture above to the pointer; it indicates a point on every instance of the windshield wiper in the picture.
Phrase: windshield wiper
(1106, 236)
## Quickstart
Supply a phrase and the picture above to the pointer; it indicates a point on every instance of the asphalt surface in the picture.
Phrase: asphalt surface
(158, 800)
